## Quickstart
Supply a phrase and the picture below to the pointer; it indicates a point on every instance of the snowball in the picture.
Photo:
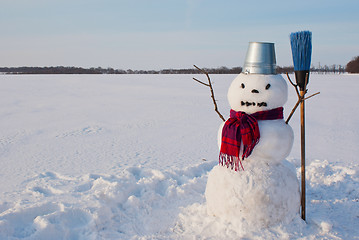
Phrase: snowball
(275, 143)
(261, 196)
(258, 89)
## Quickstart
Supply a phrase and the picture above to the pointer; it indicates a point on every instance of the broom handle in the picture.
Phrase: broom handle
(302, 135)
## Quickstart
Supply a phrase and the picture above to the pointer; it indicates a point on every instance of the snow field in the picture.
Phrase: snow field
(120, 157)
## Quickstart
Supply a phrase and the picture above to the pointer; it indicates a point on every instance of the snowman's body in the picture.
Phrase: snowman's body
(276, 140)
(267, 191)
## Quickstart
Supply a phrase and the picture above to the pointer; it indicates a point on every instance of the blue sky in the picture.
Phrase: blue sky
(158, 34)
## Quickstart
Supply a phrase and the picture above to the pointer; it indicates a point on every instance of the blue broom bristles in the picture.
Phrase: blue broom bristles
(301, 43)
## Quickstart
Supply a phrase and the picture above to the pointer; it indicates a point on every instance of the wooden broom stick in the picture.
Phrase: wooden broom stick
(301, 102)
(302, 145)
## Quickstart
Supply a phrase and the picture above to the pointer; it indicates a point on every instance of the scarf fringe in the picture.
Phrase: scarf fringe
(231, 162)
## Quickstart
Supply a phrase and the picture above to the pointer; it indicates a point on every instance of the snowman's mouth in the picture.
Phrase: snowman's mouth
(259, 104)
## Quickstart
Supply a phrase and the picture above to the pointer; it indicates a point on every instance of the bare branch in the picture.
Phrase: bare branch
(294, 85)
(201, 82)
(301, 97)
(306, 82)
(201, 70)
(293, 110)
(311, 96)
(211, 89)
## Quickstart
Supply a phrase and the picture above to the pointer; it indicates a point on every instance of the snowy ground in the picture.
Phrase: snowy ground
(128, 156)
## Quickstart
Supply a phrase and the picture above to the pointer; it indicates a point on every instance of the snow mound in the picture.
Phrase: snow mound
(136, 202)
(261, 196)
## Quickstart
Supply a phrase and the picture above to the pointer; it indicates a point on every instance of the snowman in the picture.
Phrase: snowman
(253, 185)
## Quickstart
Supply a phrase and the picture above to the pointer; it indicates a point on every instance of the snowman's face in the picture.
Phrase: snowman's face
(251, 93)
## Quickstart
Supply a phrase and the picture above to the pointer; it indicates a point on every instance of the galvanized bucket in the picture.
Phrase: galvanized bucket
(260, 58)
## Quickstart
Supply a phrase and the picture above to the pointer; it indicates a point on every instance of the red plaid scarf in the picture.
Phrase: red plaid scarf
(242, 127)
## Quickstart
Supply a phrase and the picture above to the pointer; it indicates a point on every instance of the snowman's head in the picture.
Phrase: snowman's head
(251, 93)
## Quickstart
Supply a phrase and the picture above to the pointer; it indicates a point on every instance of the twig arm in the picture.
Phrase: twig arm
(294, 85)
(211, 89)
(201, 82)
(293, 110)
(301, 96)
(311, 96)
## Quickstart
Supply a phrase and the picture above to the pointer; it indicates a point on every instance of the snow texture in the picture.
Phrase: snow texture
(128, 157)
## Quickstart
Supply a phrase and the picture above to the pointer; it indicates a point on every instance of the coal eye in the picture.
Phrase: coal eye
(242, 85)
(268, 86)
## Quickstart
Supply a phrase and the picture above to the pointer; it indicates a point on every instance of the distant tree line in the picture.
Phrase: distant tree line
(328, 69)
(99, 70)
(47, 70)
(352, 67)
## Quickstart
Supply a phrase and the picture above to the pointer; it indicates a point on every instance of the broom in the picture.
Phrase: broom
(301, 44)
